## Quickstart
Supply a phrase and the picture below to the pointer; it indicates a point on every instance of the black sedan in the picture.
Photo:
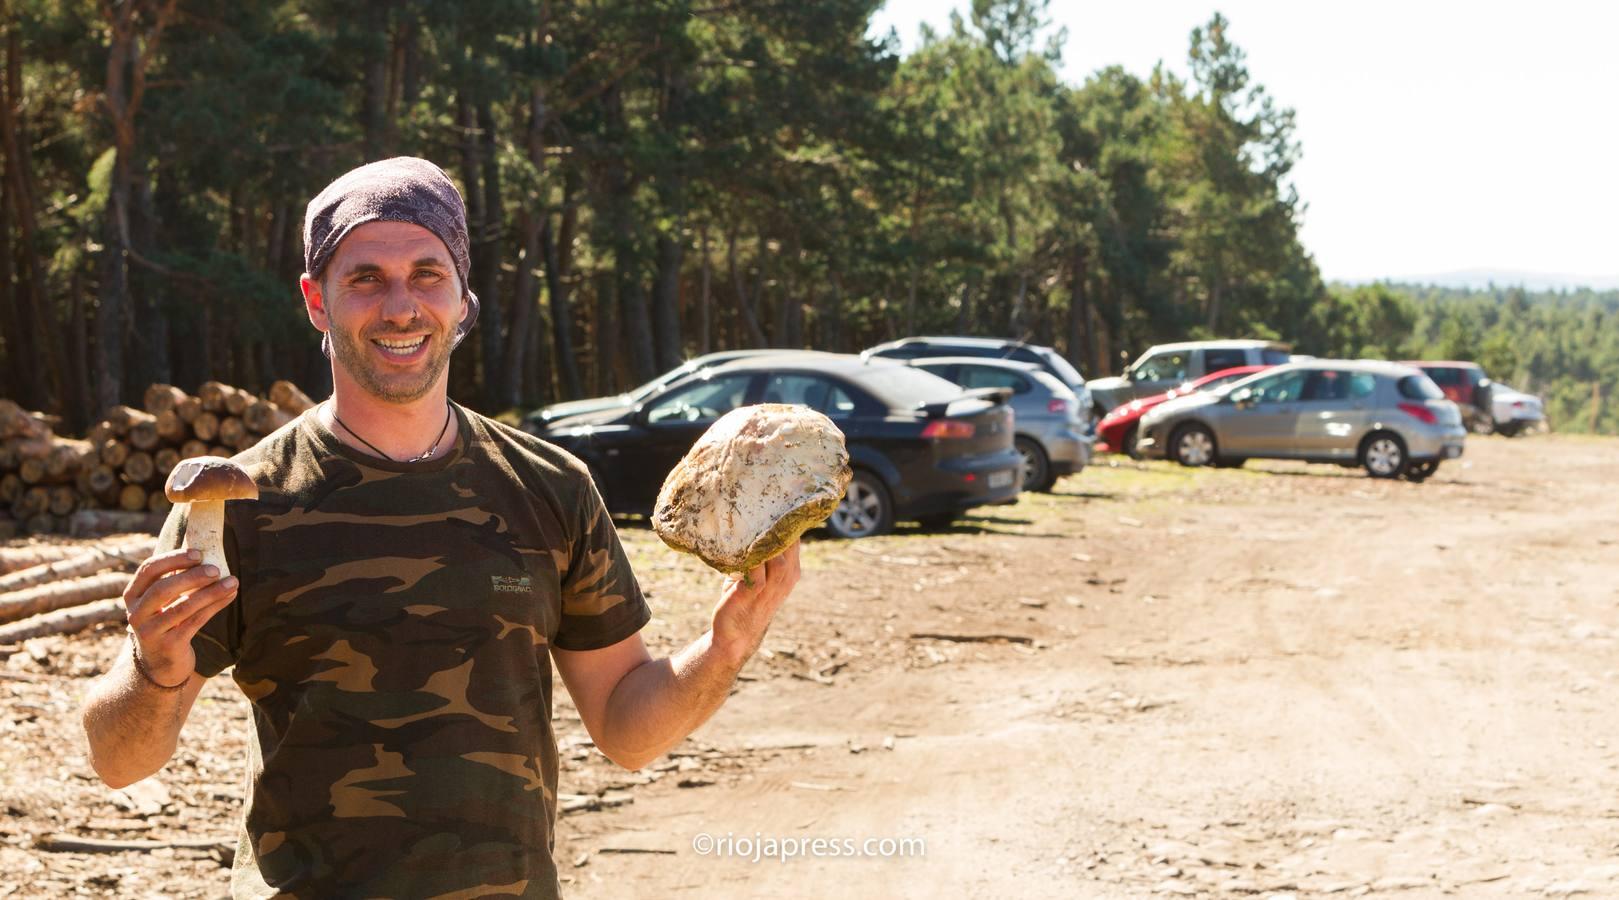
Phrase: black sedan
(921, 448)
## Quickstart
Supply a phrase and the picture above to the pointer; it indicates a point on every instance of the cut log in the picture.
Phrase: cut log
(40, 523)
(102, 483)
(263, 417)
(63, 621)
(67, 457)
(158, 503)
(16, 422)
(14, 559)
(95, 522)
(132, 498)
(64, 500)
(67, 843)
(165, 460)
(32, 471)
(171, 428)
(101, 432)
(188, 409)
(8, 527)
(124, 418)
(247, 440)
(286, 395)
(139, 468)
(237, 401)
(144, 436)
(205, 427)
(11, 487)
(114, 454)
(117, 556)
(231, 429)
(221, 451)
(9, 457)
(162, 398)
(212, 395)
(193, 448)
(34, 500)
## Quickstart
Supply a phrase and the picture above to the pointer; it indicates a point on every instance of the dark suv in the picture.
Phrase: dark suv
(993, 348)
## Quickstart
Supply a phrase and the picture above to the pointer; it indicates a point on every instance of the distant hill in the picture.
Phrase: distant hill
(1478, 279)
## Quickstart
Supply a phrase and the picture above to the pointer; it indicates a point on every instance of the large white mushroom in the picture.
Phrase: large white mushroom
(206, 482)
(752, 484)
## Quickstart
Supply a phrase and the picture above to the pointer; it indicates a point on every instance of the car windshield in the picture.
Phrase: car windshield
(1420, 387)
(902, 387)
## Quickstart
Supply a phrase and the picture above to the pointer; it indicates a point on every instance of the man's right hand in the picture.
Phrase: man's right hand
(170, 598)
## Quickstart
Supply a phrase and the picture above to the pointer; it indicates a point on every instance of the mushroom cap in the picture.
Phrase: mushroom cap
(205, 478)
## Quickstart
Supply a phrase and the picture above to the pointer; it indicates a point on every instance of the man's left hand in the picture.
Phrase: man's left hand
(747, 605)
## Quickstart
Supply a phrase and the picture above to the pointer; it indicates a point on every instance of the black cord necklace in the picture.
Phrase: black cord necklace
(414, 459)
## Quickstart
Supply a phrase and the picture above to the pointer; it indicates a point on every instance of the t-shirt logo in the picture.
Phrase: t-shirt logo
(506, 584)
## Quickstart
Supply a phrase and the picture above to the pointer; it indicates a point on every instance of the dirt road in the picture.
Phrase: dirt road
(1282, 680)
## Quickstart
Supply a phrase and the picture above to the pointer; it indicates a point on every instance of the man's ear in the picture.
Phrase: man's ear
(314, 302)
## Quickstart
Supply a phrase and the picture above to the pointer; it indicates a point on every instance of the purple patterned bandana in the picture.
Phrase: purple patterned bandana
(402, 189)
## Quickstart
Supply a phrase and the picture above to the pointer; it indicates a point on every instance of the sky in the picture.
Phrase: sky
(1437, 136)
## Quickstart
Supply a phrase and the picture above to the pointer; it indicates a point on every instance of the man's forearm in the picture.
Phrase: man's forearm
(657, 704)
(132, 726)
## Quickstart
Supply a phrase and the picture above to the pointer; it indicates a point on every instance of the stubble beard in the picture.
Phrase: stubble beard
(351, 354)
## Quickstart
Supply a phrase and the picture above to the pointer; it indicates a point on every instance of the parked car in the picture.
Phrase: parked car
(1514, 412)
(1390, 418)
(1048, 421)
(542, 418)
(1118, 429)
(1466, 385)
(991, 348)
(1167, 366)
(921, 447)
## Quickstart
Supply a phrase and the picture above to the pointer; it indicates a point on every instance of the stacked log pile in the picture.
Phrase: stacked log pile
(112, 479)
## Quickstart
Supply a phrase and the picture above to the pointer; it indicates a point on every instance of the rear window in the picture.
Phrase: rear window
(1215, 360)
(985, 377)
(1274, 357)
(1445, 375)
(902, 387)
(1420, 387)
(1064, 369)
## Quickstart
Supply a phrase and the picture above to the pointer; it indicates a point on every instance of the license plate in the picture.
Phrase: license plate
(1000, 479)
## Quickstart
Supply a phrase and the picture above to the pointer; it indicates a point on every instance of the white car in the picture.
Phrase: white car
(1514, 411)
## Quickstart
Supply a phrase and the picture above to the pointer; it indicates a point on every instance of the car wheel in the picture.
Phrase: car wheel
(1419, 472)
(1036, 468)
(1193, 445)
(866, 509)
(1383, 455)
(1128, 443)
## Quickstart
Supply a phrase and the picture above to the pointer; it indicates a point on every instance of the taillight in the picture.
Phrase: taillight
(1419, 412)
(948, 428)
(1056, 405)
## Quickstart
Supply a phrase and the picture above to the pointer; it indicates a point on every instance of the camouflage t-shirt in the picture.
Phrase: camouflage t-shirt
(393, 631)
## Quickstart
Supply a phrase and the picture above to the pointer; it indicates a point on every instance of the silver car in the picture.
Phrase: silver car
(1053, 429)
(1390, 418)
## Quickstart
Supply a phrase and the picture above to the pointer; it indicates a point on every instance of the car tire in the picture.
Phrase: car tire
(1036, 467)
(866, 509)
(1383, 455)
(1193, 446)
(1420, 471)
(1127, 444)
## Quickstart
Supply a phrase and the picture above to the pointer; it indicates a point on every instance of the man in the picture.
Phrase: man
(407, 576)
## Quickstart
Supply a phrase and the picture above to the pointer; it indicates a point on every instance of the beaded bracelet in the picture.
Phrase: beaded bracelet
(140, 666)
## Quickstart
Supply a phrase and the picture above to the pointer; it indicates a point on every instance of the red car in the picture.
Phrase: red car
(1117, 430)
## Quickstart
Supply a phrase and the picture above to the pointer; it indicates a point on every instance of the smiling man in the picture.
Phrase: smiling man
(408, 576)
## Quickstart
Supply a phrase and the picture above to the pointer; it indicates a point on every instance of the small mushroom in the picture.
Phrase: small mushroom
(206, 482)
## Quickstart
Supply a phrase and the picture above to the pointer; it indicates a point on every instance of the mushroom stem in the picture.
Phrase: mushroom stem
(205, 531)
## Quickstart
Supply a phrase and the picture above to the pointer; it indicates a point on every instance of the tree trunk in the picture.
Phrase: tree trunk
(558, 275)
(41, 356)
(1081, 341)
(606, 334)
(704, 296)
(486, 257)
(666, 299)
(374, 108)
(96, 560)
(744, 306)
(525, 299)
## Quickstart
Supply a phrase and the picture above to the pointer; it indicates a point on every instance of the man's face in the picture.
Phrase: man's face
(391, 301)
